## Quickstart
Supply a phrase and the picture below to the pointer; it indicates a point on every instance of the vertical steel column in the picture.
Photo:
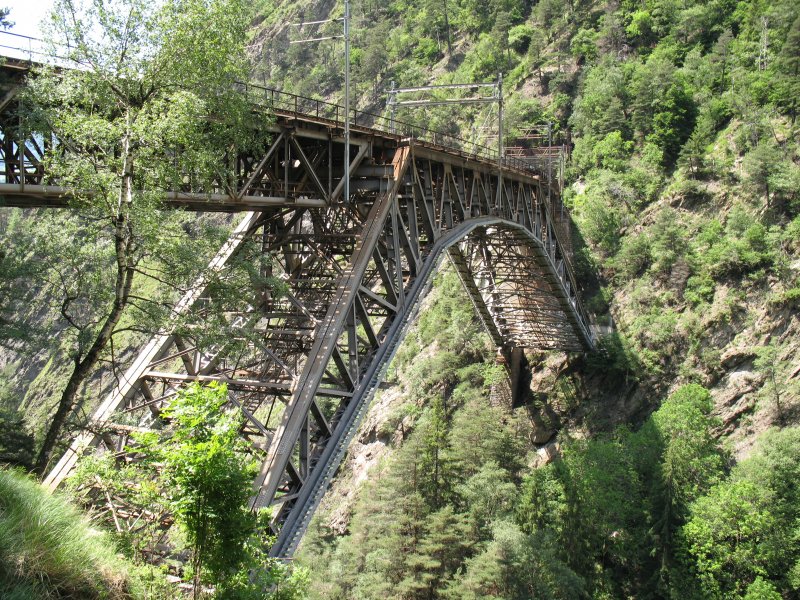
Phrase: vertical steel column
(392, 108)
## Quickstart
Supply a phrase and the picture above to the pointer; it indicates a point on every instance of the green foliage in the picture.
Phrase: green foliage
(452, 320)
(261, 577)
(673, 121)
(16, 444)
(584, 45)
(514, 565)
(732, 537)
(699, 289)
(135, 484)
(152, 108)
(768, 363)
(633, 257)
(600, 108)
(742, 246)
(600, 218)
(615, 504)
(669, 241)
(520, 37)
(741, 537)
(196, 471)
(542, 503)
(761, 590)
(691, 459)
(615, 359)
(208, 478)
(47, 550)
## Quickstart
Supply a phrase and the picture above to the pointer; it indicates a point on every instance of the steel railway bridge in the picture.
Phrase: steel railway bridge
(355, 273)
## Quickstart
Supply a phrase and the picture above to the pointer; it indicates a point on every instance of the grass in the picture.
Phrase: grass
(48, 550)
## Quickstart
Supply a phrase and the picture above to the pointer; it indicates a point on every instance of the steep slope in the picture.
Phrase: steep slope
(684, 184)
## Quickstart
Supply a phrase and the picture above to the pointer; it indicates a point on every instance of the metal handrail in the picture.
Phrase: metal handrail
(322, 109)
(303, 105)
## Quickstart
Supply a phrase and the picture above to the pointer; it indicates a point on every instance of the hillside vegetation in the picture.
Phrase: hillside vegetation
(48, 550)
(684, 183)
(661, 466)
(459, 509)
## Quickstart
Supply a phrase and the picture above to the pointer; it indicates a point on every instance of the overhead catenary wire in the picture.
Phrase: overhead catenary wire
(345, 20)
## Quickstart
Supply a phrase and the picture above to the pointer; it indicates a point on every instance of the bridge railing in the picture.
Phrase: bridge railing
(34, 50)
(303, 106)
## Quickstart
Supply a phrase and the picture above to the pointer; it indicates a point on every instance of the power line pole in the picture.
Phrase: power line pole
(346, 36)
(347, 101)
(499, 91)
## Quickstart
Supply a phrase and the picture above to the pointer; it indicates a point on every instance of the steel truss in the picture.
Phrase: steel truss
(302, 366)
(313, 358)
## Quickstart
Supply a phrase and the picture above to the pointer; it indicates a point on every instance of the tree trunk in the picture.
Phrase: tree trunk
(447, 29)
(83, 367)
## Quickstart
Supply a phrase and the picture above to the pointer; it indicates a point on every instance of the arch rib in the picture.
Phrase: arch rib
(295, 523)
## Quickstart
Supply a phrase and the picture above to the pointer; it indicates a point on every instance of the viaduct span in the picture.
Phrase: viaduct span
(303, 365)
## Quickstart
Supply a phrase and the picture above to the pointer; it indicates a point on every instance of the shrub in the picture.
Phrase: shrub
(699, 289)
(16, 443)
(614, 358)
(520, 36)
(634, 256)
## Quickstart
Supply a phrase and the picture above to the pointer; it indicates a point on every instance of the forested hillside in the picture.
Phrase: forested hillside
(661, 466)
(684, 185)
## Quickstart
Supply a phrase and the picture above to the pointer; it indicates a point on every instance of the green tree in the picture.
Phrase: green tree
(208, 478)
(776, 466)
(768, 363)
(673, 120)
(760, 164)
(441, 551)
(16, 443)
(516, 566)
(132, 122)
(489, 496)
(602, 106)
(732, 537)
(787, 86)
(688, 464)
(543, 503)
(583, 45)
(761, 590)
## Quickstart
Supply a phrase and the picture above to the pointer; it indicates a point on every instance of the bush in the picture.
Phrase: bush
(668, 240)
(699, 289)
(634, 256)
(16, 443)
(520, 36)
(615, 359)
(603, 208)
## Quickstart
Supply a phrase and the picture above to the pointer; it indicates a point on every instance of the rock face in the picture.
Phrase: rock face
(735, 397)
(373, 442)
